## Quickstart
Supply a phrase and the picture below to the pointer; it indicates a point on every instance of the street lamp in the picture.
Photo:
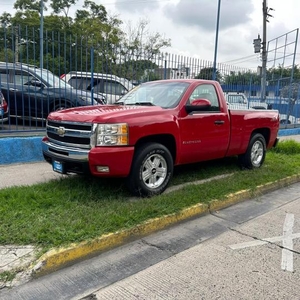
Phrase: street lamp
(17, 48)
(216, 42)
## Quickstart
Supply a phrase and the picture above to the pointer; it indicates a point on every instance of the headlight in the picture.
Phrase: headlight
(111, 134)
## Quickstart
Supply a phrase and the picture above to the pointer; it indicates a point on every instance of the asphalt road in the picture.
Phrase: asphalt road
(248, 251)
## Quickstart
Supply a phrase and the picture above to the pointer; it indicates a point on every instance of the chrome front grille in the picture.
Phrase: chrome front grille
(70, 134)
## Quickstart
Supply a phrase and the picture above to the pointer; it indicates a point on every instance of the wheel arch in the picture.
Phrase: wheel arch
(265, 132)
(57, 101)
(167, 140)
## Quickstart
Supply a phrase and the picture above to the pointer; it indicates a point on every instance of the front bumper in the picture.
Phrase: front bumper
(116, 159)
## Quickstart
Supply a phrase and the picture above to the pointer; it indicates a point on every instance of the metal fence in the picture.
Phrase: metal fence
(31, 69)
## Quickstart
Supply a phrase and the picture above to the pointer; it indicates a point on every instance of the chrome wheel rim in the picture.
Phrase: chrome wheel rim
(154, 171)
(257, 153)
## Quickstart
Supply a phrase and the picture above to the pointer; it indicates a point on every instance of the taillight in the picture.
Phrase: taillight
(4, 105)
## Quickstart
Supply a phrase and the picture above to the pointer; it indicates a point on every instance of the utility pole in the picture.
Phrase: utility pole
(42, 35)
(216, 42)
(264, 54)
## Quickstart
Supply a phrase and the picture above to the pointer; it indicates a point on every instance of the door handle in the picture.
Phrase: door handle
(13, 90)
(219, 122)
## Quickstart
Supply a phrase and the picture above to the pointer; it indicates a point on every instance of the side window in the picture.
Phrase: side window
(113, 88)
(206, 91)
(4, 76)
(21, 77)
(75, 82)
(98, 86)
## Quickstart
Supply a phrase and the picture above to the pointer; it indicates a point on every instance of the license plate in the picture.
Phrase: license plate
(58, 166)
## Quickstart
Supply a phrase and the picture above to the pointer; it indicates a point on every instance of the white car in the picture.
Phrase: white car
(111, 86)
(291, 120)
(240, 101)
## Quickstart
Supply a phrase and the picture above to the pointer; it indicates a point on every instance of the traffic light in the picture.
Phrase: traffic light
(257, 44)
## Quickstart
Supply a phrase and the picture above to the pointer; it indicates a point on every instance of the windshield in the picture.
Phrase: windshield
(51, 79)
(161, 93)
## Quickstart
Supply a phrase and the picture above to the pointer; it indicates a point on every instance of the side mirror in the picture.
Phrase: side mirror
(198, 105)
(35, 82)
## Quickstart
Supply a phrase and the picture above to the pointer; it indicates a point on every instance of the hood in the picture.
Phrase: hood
(68, 91)
(71, 93)
(104, 113)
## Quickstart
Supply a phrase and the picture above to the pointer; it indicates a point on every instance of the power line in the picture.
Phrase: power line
(241, 58)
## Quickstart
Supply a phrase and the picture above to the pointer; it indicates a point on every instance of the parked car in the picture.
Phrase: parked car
(3, 109)
(284, 119)
(111, 86)
(34, 92)
(240, 101)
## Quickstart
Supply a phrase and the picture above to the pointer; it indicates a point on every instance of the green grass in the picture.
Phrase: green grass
(79, 208)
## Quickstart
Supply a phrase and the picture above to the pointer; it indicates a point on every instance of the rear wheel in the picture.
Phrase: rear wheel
(151, 171)
(255, 154)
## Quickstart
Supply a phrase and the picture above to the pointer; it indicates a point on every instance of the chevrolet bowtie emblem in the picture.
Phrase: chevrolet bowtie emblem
(61, 131)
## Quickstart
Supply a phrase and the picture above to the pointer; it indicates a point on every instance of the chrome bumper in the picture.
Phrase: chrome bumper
(68, 153)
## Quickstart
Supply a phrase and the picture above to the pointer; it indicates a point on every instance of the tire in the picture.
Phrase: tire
(60, 105)
(151, 171)
(255, 154)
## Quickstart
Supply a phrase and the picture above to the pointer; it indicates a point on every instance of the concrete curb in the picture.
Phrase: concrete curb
(58, 258)
(20, 149)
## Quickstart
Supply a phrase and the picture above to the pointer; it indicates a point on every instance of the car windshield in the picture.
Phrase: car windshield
(51, 79)
(161, 93)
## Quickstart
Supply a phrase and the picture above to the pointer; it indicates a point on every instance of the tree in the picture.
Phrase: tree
(139, 43)
(59, 6)
(282, 72)
(207, 73)
(291, 92)
(25, 5)
(92, 40)
(138, 47)
(242, 78)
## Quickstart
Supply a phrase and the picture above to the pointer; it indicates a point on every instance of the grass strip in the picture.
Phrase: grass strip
(78, 208)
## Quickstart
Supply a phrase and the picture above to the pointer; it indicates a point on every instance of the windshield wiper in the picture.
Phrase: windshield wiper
(144, 103)
(134, 103)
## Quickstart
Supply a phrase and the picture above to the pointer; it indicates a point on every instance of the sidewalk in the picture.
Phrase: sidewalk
(290, 137)
(21, 257)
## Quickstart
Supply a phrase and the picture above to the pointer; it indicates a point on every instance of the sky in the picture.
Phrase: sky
(191, 26)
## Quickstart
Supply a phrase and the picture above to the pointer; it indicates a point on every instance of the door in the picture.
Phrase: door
(204, 135)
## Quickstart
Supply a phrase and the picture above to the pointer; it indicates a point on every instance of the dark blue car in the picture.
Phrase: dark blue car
(32, 92)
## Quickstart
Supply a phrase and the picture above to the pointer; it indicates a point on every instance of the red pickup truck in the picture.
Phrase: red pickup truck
(154, 127)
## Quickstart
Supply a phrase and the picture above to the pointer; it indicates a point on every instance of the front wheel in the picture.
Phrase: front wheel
(255, 154)
(151, 171)
(60, 105)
